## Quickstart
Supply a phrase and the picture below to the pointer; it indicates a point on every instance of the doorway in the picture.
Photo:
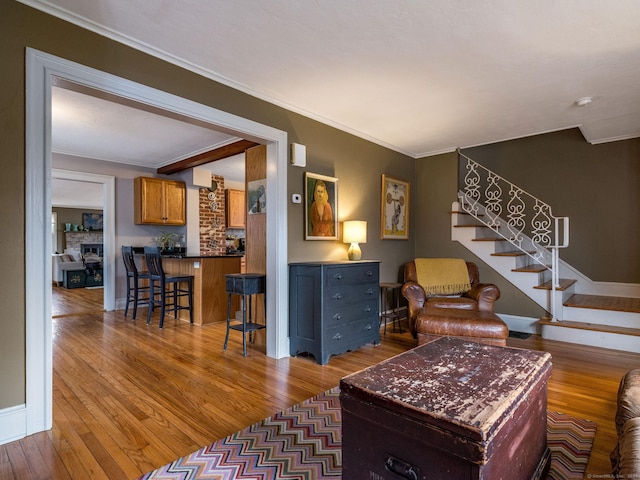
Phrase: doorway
(41, 71)
(106, 295)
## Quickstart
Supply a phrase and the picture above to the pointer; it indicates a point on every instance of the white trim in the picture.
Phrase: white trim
(41, 68)
(109, 236)
(13, 422)
(517, 323)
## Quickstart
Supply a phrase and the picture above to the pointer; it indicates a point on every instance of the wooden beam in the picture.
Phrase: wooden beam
(207, 157)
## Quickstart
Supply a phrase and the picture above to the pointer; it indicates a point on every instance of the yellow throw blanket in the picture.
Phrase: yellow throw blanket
(442, 276)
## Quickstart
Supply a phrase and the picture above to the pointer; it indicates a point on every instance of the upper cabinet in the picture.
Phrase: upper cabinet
(159, 202)
(236, 210)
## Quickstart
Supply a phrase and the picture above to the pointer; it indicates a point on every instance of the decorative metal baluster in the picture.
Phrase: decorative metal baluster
(493, 192)
(544, 235)
(516, 209)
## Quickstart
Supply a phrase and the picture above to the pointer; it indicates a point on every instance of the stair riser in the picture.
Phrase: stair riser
(615, 341)
(603, 317)
(504, 265)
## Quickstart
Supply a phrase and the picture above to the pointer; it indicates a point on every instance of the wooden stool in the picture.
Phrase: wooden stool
(166, 290)
(134, 288)
(394, 314)
(245, 284)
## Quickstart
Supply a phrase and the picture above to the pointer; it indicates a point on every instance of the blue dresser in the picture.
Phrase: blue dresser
(333, 307)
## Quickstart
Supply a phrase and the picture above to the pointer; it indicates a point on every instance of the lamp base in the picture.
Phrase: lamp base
(354, 252)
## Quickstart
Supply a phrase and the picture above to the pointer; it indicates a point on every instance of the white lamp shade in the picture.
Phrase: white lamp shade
(354, 231)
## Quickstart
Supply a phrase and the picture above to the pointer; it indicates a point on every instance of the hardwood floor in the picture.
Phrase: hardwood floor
(76, 301)
(129, 397)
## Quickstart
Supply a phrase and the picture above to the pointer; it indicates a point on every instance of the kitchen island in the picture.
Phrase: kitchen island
(209, 289)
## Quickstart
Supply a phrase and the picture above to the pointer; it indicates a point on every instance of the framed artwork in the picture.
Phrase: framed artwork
(257, 196)
(394, 210)
(92, 221)
(320, 207)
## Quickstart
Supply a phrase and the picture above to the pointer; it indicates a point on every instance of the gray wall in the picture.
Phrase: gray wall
(596, 186)
(603, 178)
(358, 164)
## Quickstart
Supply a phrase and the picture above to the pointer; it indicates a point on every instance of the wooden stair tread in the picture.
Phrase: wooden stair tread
(564, 284)
(462, 212)
(515, 253)
(531, 269)
(499, 239)
(602, 302)
(592, 327)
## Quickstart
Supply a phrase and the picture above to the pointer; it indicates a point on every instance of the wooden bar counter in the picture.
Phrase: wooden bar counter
(209, 291)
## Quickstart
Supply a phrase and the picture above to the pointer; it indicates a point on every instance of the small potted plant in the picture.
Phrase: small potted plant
(167, 241)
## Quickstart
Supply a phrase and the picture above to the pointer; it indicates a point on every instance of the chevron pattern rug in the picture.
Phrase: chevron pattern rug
(304, 443)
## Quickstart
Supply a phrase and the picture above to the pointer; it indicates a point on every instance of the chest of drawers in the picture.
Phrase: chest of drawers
(333, 307)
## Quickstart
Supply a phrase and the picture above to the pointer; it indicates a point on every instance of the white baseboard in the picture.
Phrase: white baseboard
(520, 324)
(13, 424)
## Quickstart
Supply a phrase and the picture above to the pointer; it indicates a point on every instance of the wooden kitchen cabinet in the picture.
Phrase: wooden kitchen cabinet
(236, 209)
(159, 202)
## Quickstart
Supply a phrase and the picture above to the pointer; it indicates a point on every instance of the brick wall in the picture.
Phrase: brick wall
(212, 219)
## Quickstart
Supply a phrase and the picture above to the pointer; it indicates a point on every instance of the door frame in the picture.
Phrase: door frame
(42, 70)
(109, 231)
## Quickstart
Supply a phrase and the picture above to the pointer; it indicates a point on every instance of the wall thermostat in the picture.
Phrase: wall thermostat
(296, 198)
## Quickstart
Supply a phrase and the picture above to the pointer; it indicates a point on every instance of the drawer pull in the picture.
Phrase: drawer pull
(338, 276)
(338, 296)
(400, 468)
(367, 309)
(368, 326)
(370, 291)
(337, 336)
(369, 273)
(337, 316)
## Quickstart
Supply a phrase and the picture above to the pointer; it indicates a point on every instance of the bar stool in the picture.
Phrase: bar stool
(245, 284)
(166, 290)
(134, 288)
(394, 314)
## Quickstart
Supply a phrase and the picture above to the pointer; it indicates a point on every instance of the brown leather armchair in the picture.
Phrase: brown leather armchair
(481, 297)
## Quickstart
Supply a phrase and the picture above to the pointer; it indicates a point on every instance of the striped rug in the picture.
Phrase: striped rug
(304, 443)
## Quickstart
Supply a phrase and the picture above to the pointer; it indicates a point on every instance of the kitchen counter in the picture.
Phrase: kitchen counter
(209, 285)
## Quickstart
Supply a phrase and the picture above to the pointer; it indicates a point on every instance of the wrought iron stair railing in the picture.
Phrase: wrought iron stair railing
(523, 220)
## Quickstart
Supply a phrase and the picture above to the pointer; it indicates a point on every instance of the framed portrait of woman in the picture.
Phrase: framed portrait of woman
(394, 210)
(320, 207)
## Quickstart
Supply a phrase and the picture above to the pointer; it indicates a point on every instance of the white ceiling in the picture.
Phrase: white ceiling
(420, 77)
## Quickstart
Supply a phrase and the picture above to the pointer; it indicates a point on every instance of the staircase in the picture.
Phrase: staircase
(580, 310)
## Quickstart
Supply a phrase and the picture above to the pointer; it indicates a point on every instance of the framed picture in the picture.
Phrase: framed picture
(394, 210)
(257, 196)
(320, 207)
(92, 221)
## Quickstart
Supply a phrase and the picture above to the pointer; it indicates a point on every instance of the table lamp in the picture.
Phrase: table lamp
(354, 232)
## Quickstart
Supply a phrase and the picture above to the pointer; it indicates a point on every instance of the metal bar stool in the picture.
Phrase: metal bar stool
(134, 287)
(245, 284)
(166, 290)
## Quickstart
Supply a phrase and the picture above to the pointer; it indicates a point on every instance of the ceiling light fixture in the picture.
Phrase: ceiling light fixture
(584, 101)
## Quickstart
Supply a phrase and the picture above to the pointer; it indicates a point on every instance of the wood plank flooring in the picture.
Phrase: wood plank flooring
(130, 397)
